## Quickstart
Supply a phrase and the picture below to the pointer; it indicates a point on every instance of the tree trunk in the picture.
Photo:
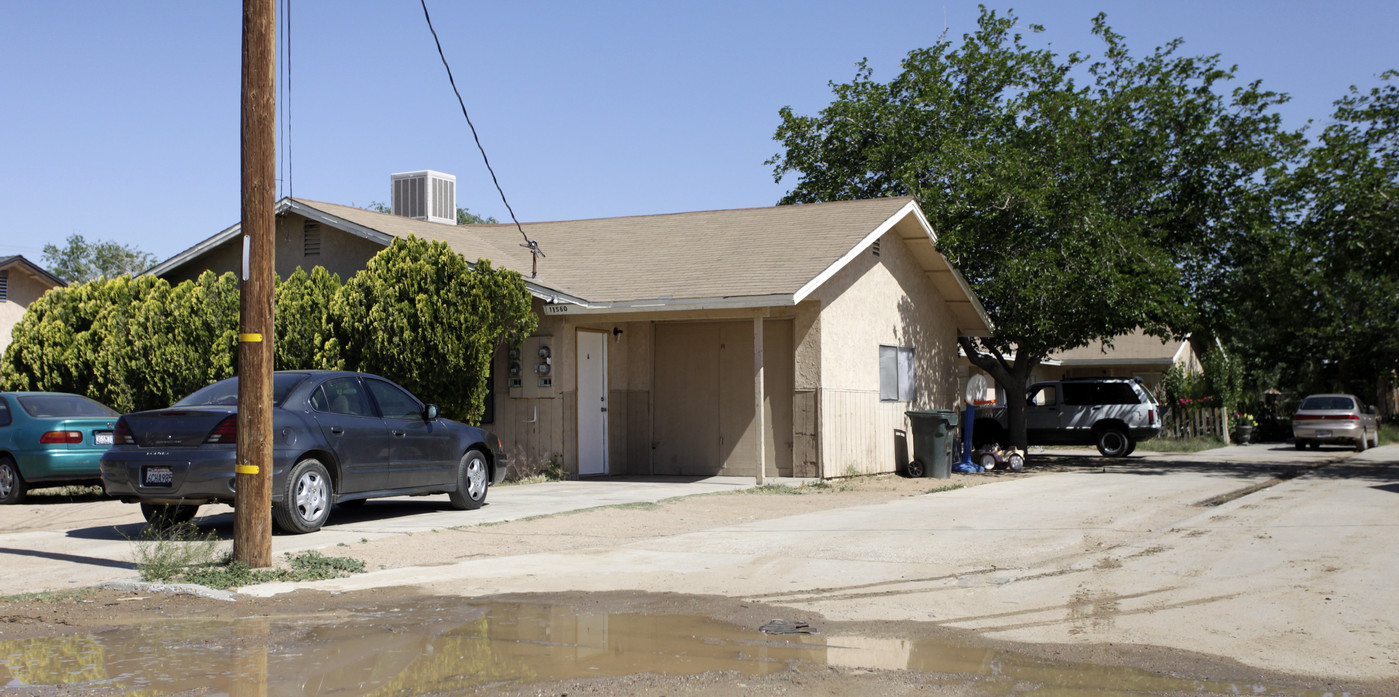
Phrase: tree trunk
(1012, 377)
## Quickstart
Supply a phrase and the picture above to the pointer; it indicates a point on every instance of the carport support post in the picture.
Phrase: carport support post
(758, 396)
(252, 516)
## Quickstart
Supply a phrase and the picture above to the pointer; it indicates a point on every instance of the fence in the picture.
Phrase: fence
(1192, 422)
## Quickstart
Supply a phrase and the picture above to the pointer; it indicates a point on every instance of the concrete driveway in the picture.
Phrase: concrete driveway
(56, 545)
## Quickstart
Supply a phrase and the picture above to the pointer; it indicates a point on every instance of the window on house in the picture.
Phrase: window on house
(896, 374)
(311, 239)
(4, 285)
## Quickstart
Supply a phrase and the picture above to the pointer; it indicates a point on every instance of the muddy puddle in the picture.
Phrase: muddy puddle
(454, 648)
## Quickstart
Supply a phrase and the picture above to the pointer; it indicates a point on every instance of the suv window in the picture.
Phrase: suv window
(1088, 393)
(1044, 396)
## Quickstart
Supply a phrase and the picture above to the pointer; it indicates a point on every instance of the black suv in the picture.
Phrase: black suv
(1111, 413)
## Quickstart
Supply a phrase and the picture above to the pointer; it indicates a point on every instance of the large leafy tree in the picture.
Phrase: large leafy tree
(1317, 296)
(1081, 197)
(420, 313)
(79, 260)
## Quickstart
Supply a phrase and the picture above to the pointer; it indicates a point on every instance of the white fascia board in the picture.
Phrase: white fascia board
(320, 216)
(910, 208)
(1090, 362)
(1180, 352)
(670, 305)
(855, 251)
(283, 206)
(195, 251)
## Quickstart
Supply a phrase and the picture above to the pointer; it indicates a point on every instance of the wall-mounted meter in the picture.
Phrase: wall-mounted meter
(545, 364)
(536, 357)
(516, 370)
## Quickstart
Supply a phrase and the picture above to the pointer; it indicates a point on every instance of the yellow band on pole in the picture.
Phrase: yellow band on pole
(246, 469)
(250, 338)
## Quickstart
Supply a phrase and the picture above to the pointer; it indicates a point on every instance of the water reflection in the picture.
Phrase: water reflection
(442, 648)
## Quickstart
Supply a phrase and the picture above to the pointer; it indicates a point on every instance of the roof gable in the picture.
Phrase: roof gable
(39, 273)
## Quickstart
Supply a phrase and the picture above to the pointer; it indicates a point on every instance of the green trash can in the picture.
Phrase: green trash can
(933, 433)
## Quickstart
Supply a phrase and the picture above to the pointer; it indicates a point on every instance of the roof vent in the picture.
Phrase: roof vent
(425, 195)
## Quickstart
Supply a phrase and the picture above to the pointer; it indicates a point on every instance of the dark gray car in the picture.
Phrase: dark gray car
(338, 437)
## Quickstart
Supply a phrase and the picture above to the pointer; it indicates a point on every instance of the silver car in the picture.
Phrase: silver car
(1335, 418)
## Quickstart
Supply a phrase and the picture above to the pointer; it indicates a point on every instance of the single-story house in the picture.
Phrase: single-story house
(1134, 355)
(653, 329)
(21, 282)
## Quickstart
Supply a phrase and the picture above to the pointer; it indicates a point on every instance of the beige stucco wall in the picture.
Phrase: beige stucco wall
(24, 289)
(879, 300)
(538, 425)
(341, 253)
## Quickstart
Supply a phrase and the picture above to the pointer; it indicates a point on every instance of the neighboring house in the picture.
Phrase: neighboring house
(21, 282)
(1135, 355)
(650, 324)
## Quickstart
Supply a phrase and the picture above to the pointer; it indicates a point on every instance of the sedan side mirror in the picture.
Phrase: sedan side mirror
(430, 412)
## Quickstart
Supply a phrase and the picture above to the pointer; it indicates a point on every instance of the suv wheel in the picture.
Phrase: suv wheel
(1114, 442)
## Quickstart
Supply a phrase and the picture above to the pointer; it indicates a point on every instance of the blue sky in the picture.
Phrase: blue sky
(121, 118)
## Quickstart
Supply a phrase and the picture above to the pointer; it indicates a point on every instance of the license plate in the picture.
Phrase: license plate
(1323, 434)
(102, 437)
(159, 476)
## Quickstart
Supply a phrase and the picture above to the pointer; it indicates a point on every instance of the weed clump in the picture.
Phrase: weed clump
(162, 552)
(182, 553)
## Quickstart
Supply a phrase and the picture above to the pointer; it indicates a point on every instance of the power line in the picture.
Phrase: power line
(530, 244)
(284, 104)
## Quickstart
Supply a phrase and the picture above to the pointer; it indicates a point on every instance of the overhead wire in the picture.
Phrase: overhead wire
(284, 104)
(532, 245)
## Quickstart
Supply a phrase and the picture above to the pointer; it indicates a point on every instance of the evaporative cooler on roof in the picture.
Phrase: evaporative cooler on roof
(425, 195)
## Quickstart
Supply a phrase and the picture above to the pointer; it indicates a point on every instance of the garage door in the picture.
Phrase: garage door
(704, 398)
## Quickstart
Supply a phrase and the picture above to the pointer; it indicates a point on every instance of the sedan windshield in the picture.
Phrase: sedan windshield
(224, 393)
(47, 406)
(1326, 403)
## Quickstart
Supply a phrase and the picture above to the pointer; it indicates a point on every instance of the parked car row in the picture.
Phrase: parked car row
(338, 438)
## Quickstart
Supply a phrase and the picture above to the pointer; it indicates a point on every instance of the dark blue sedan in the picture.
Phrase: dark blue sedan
(338, 437)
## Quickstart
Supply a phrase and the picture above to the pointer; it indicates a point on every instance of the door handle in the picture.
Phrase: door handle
(604, 408)
(336, 430)
(399, 434)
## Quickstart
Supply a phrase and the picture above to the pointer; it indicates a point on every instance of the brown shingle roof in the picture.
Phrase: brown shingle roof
(708, 254)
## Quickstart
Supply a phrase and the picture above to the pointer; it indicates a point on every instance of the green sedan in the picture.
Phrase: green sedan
(50, 439)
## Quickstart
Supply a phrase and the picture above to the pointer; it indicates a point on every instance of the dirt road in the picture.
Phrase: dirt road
(1166, 562)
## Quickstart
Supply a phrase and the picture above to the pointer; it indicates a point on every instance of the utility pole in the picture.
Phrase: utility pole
(252, 517)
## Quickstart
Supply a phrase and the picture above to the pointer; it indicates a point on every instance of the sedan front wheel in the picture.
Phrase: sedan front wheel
(473, 477)
(306, 502)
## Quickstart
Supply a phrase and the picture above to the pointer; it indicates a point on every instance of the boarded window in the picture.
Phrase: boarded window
(311, 239)
(896, 374)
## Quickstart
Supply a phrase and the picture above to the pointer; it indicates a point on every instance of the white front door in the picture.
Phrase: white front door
(592, 402)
